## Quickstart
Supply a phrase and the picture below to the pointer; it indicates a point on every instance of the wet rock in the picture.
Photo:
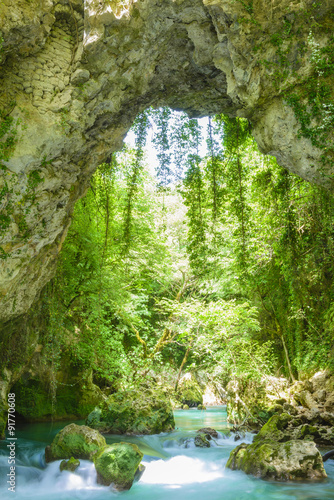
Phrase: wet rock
(276, 429)
(289, 461)
(209, 432)
(117, 465)
(142, 411)
(185, 407)
(78, 441)
(139, 472)
(202, 441)
(239, 436)
(70, 465)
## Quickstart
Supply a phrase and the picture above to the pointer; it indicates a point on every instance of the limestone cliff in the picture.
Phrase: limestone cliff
(75, 74)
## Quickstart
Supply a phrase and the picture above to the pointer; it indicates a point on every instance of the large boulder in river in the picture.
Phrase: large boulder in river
(142, 411)
(289, 461)
(77, 441)
(117, 465)
(279, 452)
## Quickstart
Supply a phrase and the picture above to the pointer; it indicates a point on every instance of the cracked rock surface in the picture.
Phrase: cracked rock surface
(75, 74)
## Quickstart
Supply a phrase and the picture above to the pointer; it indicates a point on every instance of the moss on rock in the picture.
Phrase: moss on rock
(289, 461)
(117, 465)
(144, 411)
(77, 441)
(275, 429)
(70, 465)
(34, 402)
(202, 441)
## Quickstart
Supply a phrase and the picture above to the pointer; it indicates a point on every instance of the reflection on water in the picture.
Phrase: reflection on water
(174, 466)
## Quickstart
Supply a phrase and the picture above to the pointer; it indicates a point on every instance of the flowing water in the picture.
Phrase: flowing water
(175, 468)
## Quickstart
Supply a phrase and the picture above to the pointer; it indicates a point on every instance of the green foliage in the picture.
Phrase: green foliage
(235, 277)
(162, 142)
(134, 176)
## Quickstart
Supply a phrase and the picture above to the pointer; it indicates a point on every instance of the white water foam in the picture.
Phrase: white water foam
(181, 470)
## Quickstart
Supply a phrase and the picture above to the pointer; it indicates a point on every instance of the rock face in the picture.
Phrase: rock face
(117, 465)
(34, 403)
(77, 441)
(75, 74)
(133, 412)
(290, 461)
(275, 454)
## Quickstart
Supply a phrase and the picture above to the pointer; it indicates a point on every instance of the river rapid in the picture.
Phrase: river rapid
(175, 468)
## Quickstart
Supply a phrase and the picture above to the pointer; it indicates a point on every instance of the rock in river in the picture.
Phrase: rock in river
(70, 465)
(289, 461)
(144, 411)
(117, 465)
(275, 455)
(77, 441)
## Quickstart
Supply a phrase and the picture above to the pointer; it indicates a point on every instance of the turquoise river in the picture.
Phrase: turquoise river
(175, 468)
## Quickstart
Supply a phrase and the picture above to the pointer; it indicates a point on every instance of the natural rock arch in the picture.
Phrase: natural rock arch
(74, 75)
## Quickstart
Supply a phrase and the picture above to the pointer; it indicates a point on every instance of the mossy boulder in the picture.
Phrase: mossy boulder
(142, 411)
(209, 432)
(309, 431)
(204, 436)
(189, 391)
(77, 441)
(117, 465)
(289, 461)
(275, 429)
(202, 441)
(70, 465)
